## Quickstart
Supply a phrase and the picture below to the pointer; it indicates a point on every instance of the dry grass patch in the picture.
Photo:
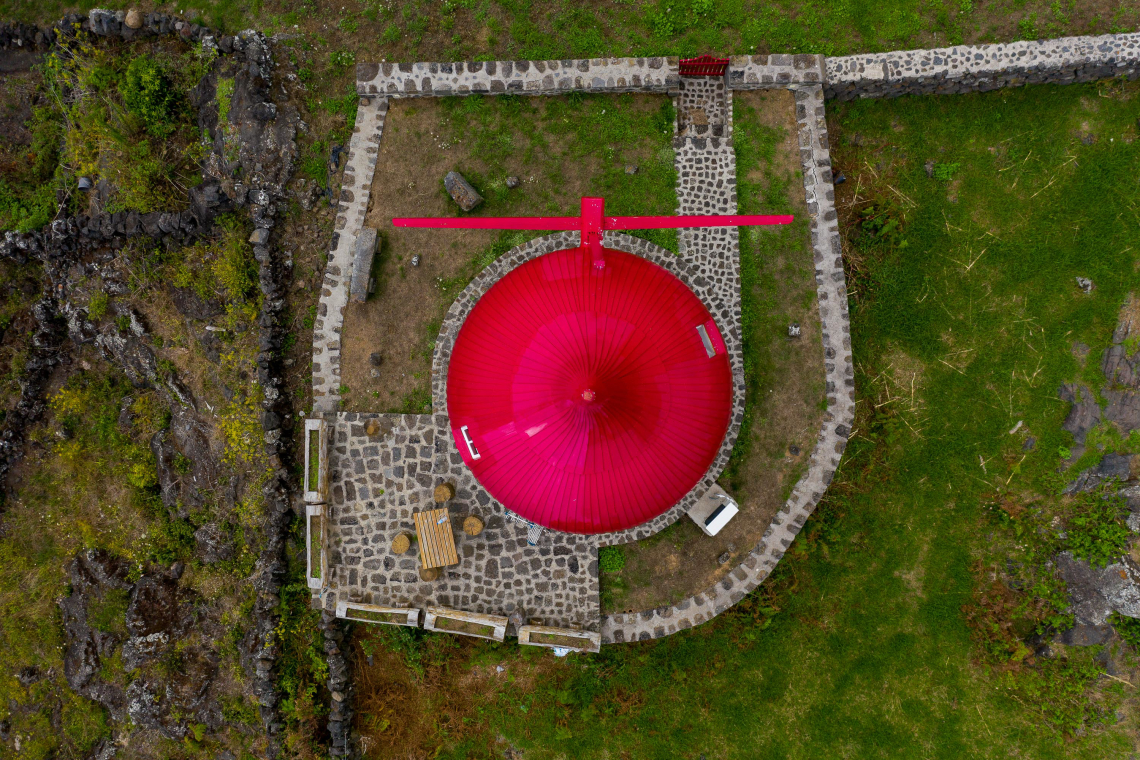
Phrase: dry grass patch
(560, 148)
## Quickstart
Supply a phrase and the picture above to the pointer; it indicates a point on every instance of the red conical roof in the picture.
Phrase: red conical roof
(591, 400)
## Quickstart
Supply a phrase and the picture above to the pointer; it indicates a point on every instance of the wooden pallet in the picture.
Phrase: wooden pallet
(436, 540)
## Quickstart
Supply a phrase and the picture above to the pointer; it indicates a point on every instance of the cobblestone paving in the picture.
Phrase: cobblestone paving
(378, 482)
(701, 107)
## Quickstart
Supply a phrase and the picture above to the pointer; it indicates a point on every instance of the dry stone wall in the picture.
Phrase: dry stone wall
(356, 186)
(749, 72)
(520, 77)
(811, 78)
(978, 68)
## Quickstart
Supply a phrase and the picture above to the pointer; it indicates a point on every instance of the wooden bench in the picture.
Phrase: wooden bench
(437, 542)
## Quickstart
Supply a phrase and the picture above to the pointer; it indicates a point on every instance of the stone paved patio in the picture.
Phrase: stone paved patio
(376, 484)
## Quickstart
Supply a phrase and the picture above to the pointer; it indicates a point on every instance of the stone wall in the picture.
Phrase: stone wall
(749, 72)
(127, 25)
(521, 77)
(355, 188)
(978, 68)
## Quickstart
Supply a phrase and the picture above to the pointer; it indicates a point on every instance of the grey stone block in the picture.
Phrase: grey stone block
(362, 252)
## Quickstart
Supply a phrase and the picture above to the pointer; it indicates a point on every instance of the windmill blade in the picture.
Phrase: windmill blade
(668, 222)
(492, 222)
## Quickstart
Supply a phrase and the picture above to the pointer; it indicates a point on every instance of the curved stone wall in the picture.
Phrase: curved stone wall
(831, 293)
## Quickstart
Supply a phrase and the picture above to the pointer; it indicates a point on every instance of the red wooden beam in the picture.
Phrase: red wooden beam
(592, 222)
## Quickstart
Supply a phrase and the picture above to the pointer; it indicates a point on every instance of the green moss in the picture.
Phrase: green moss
(108, 612)
(225, 93)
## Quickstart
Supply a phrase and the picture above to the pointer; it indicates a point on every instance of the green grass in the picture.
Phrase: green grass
(770, 260)
(550, 136)
(858, 645)
(514, 29)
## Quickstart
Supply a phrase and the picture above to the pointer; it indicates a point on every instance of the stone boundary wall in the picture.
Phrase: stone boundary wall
(978, 68)
(684, 270)
(751, 72)
(106, 23)
(840, 377)
(521, 77)
(356, 186)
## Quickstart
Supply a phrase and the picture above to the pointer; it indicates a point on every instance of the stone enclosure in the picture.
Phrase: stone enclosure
(543, 578)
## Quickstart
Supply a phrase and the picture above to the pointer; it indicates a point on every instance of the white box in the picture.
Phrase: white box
(713, 510)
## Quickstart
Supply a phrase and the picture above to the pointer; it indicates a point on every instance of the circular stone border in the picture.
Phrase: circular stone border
(728, 321)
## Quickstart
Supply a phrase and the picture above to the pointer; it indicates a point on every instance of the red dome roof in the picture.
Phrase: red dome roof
(589, 400)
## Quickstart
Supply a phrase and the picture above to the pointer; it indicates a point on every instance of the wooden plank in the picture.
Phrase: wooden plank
(446, 536)
(422, 535)
(437, 542)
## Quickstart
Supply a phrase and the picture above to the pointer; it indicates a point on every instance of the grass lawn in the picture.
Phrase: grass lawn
(517, 29)
(858, 646)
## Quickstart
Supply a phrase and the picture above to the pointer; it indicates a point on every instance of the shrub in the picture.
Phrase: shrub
(235, 267)
(147, 93)
(1127, 627)
(343, 58)
(24, 212)
(945, 172)
(225, 95)
(97, 306)
(611, 559)
(1097, 531)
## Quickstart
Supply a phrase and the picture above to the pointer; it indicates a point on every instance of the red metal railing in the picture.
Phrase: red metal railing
(703, 66)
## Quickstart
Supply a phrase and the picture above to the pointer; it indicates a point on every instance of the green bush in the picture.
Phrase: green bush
(611, 559)
(1096, 531)
(147, 93)
(1127, 627)
(25, 211)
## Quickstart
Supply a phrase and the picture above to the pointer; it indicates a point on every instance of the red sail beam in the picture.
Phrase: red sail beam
(592, 223)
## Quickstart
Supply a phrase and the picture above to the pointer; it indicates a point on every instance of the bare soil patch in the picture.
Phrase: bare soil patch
(557, 165)
(787, 404)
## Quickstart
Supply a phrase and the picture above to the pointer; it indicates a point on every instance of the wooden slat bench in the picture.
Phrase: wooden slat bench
(436, 540)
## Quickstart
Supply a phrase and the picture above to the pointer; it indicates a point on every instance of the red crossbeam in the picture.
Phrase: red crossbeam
(591, 223)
